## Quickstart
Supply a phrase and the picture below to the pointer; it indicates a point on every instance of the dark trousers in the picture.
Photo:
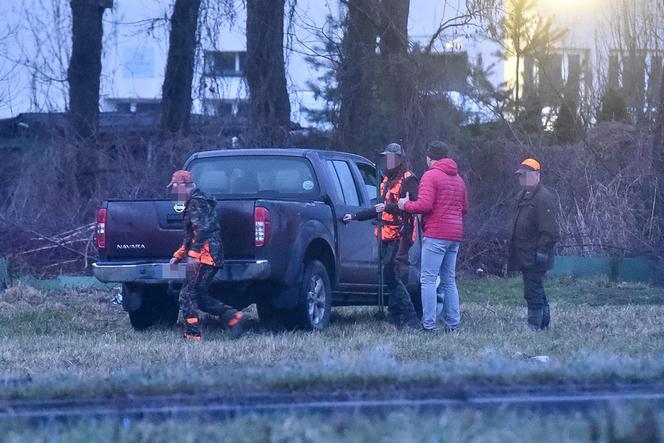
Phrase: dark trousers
(400, 305)
(194, 293)
(533, 288)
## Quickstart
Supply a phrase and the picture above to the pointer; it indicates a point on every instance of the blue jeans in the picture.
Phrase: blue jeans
(439, 259)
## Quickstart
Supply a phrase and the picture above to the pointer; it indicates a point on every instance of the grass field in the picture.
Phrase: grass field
(55, 345)
(637, 424)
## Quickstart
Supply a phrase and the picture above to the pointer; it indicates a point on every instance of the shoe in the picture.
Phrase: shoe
(450, 330)
(414, 324)
(237, 323)
(429, 331)
(192, 331)
(192, 337)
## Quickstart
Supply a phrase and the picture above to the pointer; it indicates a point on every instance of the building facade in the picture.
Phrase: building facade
(593, 54)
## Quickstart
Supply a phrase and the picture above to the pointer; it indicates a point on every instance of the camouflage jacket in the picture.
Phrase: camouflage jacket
(202, 225)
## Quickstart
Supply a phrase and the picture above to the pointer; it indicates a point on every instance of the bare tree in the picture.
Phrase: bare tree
(6, 69)
(356, 77)
(42, 46)
(397, 78)
(266, 73)
(521, 33)
(658, 133)
(176, 90)
(85, 65)
(84, 78)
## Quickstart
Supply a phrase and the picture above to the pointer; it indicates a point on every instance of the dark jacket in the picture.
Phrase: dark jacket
(201, 227)
(442, 201)
(534, 229)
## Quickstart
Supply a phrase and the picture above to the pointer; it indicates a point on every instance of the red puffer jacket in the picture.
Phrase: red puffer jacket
(442, 200)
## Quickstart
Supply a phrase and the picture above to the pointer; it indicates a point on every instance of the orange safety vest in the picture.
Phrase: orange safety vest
(203, 257)
(392, 224)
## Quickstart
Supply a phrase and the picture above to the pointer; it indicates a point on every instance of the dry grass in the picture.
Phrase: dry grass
(634, 424)
(64, 344)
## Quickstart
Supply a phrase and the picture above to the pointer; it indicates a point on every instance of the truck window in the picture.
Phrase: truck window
(369, 177)
(344, 182)
(339, 197)
(256, 176)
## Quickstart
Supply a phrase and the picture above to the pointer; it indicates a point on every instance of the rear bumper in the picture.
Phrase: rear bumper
(153, 273)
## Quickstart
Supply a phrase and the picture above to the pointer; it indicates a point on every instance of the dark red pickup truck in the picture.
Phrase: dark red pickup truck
(286, 246)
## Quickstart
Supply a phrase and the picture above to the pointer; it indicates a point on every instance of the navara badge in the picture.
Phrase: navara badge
(179, 207)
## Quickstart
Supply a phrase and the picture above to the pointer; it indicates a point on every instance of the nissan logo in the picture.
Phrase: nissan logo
(179, 207)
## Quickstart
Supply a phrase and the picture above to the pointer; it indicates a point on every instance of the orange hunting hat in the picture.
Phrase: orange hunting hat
(529, 164)
(181, 177)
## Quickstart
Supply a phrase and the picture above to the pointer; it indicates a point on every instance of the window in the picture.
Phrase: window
(345, 185)
(224, 63)
(148, 107)
(369, 178)
(445, 71)
(224, 109)
(138, 106)
(254, 176)
(335, 181)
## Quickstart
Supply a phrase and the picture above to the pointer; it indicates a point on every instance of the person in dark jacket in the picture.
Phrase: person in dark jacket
(443, 203)
(535, 233)
(203, 252)
(396, 233)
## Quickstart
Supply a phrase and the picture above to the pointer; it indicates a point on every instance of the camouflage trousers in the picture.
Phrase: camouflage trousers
(194, 293)
(400, 306)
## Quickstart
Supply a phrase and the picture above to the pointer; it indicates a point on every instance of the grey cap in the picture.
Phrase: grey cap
(393, 148)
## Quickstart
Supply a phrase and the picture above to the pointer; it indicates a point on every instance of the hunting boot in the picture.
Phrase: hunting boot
(546, 316)
(237, 323)
(192, 329)
(535, 319)
(395, 317)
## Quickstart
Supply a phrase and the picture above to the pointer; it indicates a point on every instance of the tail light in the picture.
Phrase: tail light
(262, 223)
(100, 232)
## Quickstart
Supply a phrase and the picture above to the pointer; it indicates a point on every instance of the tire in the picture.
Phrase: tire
(158, 307)
(314, 303)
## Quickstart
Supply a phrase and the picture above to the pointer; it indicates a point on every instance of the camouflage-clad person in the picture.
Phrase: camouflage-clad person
(203, 252)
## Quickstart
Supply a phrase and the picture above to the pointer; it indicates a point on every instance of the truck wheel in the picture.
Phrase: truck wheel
(315, 298)
(157, 306)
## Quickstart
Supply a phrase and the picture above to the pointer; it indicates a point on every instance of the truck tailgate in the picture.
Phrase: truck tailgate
(152, 229)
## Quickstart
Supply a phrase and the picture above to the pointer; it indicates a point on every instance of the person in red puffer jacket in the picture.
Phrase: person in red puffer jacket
(443, 201)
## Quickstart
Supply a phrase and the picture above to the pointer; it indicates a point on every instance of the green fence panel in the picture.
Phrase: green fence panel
(618, 269)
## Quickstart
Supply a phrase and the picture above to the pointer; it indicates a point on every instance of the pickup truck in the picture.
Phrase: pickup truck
(286, 246)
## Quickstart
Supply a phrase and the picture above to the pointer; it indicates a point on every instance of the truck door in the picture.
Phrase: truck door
(356, 241)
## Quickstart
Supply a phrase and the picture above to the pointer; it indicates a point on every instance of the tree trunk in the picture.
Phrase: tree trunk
(85, 66)
(266, 73)
(397, 81)
(356, 77)
(84, 77)
(176, 90)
